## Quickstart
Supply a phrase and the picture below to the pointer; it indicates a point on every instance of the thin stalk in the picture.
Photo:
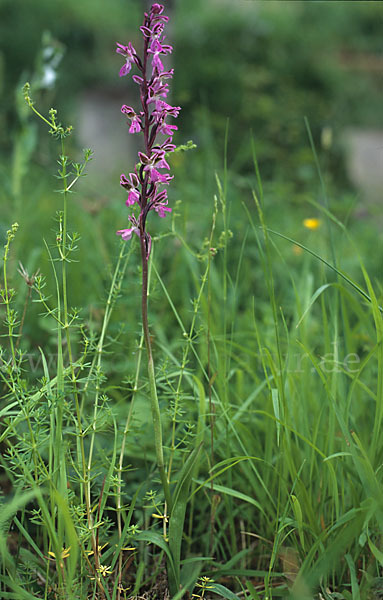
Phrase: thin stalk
(66, 327)
(209, 374)
(6, 293)
(121, 463)
(122, 453)
(145, 249)
(29, 292)
(156, 414)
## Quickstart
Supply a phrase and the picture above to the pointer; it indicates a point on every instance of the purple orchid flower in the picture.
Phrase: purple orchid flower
(130, 54)
(131, 186)
(135, 119)
(157, 50)
(126, 234)
(145, 186)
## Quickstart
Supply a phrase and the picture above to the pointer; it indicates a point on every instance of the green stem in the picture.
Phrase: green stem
(156, 415)
(66, 327)
(6, 293)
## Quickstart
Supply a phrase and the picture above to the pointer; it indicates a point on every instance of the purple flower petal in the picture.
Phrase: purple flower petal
(134, 196)
(157, 9)
(125, 69)
(137, 79)
(161, 210)
(126, 234)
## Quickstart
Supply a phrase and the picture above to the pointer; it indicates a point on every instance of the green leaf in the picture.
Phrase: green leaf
(251, 589)
(376, 552)
(28, 538)
(235, 494)
(299, 518)
(222, 591)
(354, 579)
(275, 399)
(19, 592)
(312, 301)
(157, 540)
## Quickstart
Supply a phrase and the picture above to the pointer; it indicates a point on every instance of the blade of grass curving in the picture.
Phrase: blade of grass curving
(249, 400)
(275, 401)
(336, 270)
(223, 591)
(278, 539)
(235, 494)
(375, 551)
(313, 298)
(19, 592)
(232, 461)
(155, 538)
(28, 538)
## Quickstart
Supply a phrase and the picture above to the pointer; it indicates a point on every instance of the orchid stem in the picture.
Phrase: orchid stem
(156, 414)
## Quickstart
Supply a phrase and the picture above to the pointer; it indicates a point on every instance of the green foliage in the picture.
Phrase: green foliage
(268, 349)
(273, 396)
(247, 62)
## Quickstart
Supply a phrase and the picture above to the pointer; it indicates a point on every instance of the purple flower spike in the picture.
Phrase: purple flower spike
(146, 186)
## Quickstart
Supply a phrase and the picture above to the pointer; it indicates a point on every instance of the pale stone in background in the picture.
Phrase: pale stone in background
(102, 127)
(364, 154)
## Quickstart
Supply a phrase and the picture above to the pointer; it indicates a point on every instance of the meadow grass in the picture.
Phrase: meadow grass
(269, 371)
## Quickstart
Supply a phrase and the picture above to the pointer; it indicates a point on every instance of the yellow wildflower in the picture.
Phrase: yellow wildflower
(104, 570)
(99, 548)
(312, 223)
(166, 519)
(64, 553)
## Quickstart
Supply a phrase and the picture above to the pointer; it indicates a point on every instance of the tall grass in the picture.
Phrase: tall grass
(269, 377)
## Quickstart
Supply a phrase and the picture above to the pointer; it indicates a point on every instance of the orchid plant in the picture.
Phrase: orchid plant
(146, 186)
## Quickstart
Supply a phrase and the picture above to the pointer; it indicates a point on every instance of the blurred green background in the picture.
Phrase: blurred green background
(257, 67)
